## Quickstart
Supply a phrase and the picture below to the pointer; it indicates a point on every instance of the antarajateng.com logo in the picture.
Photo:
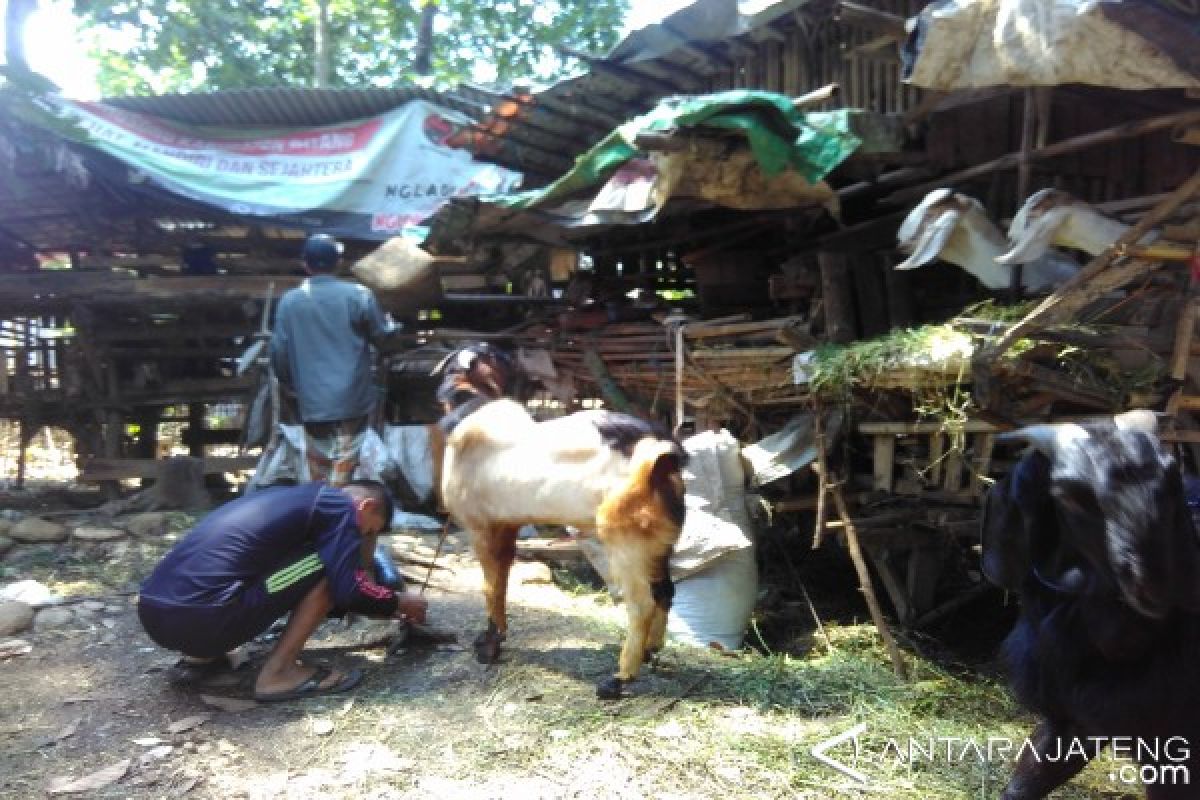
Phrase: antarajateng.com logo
(1128, 760)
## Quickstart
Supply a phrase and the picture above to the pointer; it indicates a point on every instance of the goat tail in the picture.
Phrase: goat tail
(653, 492)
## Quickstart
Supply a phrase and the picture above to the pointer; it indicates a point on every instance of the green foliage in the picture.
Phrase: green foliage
(188, 45)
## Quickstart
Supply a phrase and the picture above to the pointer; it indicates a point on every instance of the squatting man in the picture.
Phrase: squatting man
(295, 549)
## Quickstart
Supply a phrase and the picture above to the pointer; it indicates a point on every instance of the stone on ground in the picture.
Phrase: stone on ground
(35, 529)
(14, 617)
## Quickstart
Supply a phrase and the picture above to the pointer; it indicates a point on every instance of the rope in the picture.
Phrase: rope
(436, 553)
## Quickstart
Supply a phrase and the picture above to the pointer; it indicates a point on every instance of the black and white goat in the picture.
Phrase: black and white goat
(605, 473)
(1092, 532)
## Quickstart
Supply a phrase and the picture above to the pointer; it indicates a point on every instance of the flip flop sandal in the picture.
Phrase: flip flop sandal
(184, 672)
(312, 686)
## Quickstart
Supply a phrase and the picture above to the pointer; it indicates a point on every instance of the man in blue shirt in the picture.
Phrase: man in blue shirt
(292, 549)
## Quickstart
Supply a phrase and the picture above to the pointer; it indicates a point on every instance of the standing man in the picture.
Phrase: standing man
(322, 349)
(294, 549)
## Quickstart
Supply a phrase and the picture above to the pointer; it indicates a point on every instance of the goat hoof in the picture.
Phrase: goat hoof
(487, 648)
(609, 688)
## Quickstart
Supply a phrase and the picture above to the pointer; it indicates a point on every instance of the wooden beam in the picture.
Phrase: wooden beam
(61, 288)
(1126, 130)
(115, 469)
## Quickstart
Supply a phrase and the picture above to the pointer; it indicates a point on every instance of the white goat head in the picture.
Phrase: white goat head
(1052, 217)
(954, 227)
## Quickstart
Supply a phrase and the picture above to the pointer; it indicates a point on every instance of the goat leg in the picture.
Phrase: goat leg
(663, 592)
(487, 644)
(640, 608)
(1044, 765)
(495, 547)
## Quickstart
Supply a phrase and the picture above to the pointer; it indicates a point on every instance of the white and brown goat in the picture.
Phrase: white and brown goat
(955, 227)
(1053, 218)
(605, 473)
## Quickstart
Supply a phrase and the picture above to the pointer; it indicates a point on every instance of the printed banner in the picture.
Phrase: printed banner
(367, 179)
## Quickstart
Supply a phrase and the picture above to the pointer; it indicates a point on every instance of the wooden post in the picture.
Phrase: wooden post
(22, 449)
(196, 429)
(898, 285)
(870, 293)
(1024, 176)
(113, 424)
(885, 457)
(837, 300)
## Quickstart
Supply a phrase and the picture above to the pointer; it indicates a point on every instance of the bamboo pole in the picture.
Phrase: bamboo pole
(822, 478)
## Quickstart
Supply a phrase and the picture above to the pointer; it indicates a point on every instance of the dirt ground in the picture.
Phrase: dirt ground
(424, 722)
(429, 722)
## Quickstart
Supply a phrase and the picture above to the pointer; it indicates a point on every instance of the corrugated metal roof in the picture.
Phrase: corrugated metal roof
(680, 55)
(294, 107)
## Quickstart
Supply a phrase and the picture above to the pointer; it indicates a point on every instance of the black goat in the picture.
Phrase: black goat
(1092, 532)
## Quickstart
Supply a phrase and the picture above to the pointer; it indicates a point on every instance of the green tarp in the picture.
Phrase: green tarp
(780, 137)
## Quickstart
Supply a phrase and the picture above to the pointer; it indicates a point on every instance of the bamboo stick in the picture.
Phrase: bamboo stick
(864, 582)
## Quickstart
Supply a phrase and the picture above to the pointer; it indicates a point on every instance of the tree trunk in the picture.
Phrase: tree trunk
(323, 60)
(16, 12)
(423, 61)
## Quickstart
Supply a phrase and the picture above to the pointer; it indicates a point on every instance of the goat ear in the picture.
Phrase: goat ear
(1032, 243)
(1165, 555)
(932, 238)
(1046, 438)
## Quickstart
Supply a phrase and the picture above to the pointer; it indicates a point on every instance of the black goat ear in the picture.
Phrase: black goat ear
(1003, 540)
(1152, 543)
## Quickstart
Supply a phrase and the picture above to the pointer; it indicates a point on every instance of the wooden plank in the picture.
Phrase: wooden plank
(985, 443)
(937, 447)
(1184, 332)
(953, 467)
(884, 462)
(739, 328)
(901, 428)
(113, 469)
